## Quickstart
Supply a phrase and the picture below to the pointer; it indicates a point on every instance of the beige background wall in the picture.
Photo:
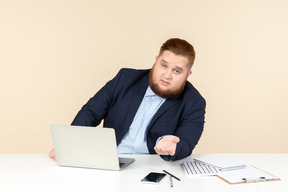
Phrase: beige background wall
(56, 54)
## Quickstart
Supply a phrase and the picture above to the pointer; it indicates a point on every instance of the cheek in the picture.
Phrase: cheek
(178, 82)
(156, 75)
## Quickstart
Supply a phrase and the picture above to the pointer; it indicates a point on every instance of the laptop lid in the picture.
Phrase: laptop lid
(87, 147)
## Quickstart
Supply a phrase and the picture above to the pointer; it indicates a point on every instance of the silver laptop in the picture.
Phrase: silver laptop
(87, 147)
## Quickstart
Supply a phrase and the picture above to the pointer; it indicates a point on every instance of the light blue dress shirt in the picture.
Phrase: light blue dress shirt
(135, 139)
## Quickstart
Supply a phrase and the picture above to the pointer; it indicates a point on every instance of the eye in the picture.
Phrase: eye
(164, 65)
(177, 71)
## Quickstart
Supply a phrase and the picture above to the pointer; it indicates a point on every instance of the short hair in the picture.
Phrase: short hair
(179, 47)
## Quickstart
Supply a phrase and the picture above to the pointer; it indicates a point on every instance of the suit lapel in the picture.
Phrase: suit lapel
(165, 106)
(136, 99)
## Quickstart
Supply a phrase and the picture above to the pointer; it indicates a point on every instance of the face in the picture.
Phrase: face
(169, 74)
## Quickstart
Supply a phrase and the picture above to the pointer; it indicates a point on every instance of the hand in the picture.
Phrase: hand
(52, 154)
(167, 145)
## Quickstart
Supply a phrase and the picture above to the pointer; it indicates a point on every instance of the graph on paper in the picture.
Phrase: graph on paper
(196, 168)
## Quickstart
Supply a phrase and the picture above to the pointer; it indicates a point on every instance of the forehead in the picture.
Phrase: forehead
(178, 61)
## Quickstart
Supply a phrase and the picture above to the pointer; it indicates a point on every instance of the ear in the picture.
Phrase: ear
(190, 72)
(156, 57)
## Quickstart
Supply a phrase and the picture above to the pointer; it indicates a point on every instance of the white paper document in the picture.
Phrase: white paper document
(223, 164)
(196, 168)
(247, 175)
(230, 171)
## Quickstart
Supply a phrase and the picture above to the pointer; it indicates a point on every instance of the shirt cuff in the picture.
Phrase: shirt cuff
(159, 139)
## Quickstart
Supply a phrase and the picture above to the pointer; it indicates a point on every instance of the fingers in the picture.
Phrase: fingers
(176, 139)
(167, 145)
(162, 151)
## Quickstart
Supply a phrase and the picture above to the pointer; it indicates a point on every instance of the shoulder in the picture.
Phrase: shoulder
(128, 74)
(191, 91)
(131, 71)
(191, 95)
(127, 78)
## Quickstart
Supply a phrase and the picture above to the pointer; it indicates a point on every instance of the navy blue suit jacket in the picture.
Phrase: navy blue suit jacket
(117, 103)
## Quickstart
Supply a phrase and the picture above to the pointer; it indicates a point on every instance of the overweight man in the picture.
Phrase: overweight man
(154, 111)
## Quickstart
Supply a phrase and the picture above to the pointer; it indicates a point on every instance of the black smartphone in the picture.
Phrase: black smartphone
(153, 178)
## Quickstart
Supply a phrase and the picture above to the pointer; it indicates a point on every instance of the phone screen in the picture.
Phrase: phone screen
(153, 177)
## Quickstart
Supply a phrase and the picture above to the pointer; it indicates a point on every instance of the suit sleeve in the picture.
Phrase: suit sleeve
(92, 113)
(189, 131)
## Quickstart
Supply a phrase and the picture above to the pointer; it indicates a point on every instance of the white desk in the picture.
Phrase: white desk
(36, 172)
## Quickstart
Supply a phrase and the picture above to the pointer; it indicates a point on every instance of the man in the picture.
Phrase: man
(152, 111)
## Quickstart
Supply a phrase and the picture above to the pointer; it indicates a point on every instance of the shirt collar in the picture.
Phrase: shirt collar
(149, 92)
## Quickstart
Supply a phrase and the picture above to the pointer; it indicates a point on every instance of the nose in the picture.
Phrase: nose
(168, 74)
